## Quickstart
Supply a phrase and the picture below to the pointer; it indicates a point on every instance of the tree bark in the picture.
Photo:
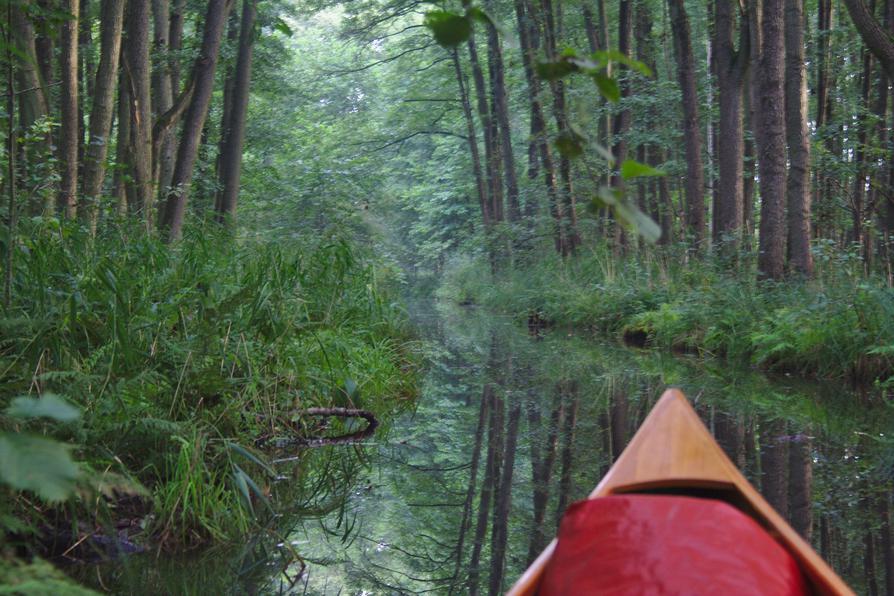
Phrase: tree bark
(122, 145)
(138, 69)
(491, 157)
(503, 505)
(798, 137)
(770, 136)
(527, 26)
(231, 154)
(560, 113)
(163, 94)
(695, 175)
(501, 111)
(472, 137)
(203, 75)
(801, 486)
(111, 24)
(774, 465)
(732, 70)
(874, 35)
(565, 477)
(68, 145)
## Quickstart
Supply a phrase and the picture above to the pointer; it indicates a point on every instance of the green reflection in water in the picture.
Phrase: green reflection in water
(459, 494)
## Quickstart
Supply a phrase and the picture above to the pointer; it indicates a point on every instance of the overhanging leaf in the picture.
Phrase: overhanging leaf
(450, 29)
(48, 405)
(607, 86)
(628, 214)
(634, 169)
(551, 71)
(36, 464)
(570, 144)
(283, 27)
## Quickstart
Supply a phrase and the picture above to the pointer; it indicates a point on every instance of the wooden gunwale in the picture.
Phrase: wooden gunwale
(673, 451)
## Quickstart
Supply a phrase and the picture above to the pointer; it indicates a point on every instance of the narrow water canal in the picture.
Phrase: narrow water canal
(459, 493)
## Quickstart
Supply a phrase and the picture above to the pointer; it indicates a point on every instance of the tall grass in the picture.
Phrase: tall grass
(175, 354)
(839, 325)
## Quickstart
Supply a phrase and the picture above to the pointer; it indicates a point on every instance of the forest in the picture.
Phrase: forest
(283, 277)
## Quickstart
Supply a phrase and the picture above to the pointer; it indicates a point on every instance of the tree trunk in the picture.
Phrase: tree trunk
(203, 75)
(798, 137)
(491, 473)
(774, 465)
(542, 474)
(121, 189)
(231, 155)
(801, 486)
(503, 505)
(695, 175)
(111, 23)
(466, 522)
(769, 128)
(491, 158)
(621, 124)
(137, 67)
(43, 44)
(874, 35)
(175, 42)
(732, 69)
(501, 111)
(565, 478)
(472, 138)
(560, 113)
(527, 26)
(68, 145)
(163, 93)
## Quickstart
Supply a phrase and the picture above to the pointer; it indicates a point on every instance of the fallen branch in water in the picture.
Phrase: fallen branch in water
(353, 437)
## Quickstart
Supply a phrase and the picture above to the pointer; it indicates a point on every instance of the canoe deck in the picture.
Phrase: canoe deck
(673, 452)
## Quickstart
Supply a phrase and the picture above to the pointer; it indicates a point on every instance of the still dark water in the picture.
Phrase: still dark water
(459, 493)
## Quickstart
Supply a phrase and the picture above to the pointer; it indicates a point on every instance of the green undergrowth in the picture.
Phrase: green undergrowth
(838, 325)
(161, 369)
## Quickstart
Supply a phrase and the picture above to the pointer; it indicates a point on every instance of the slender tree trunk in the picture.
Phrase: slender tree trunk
(503, 504)
(231, 154)
(491, 158)
(203, 75)
(472, 137)
(621, 124)
(801, 486)
(770, 136)
(163, 95)
(528, 36)
(542, 474)
(501, 111)
(137, 67)
(491, 472)
(175, 42)
(121, 189)
(859, 191)
(68, 146)
(565, 478)
(466, 522)
(774, 465)
(732, 68)
(32, 101)
(798, 137)
(695, 174)
(111, 24)
(43, 44)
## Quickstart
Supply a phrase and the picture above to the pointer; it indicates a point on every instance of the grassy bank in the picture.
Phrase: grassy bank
(148, 375)
(839, 325)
